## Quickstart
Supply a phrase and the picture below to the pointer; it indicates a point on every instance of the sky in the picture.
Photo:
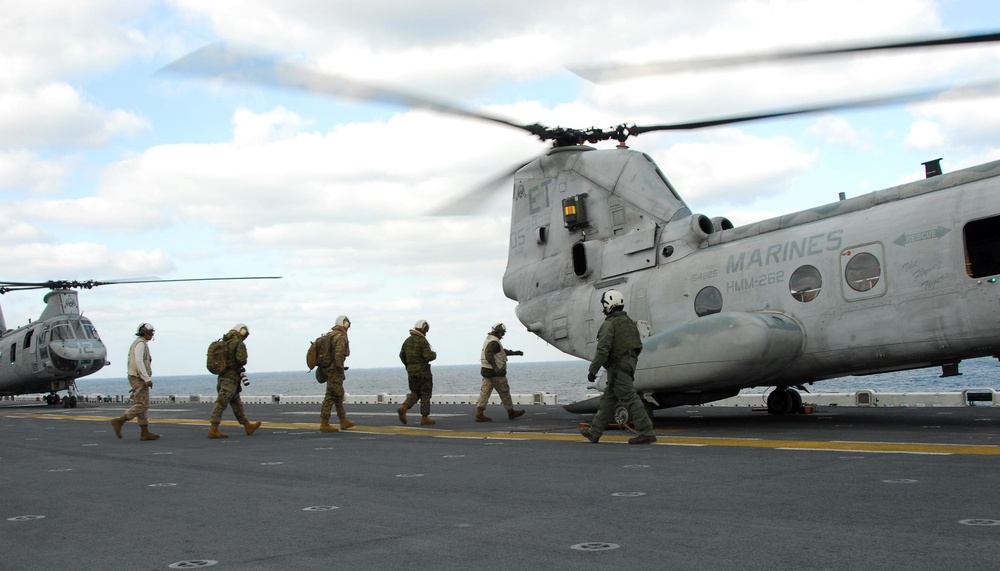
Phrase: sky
(111, 170)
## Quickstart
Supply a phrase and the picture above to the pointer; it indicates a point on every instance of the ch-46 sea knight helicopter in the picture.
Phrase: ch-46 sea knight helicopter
(897, 279)
(49, 354)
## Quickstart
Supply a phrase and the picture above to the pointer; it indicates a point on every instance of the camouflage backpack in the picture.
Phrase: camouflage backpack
(320, 352)
(216, 358)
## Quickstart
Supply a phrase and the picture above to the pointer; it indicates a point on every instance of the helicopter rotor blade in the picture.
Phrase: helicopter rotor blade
(965, 91)
(602, 73)
(154, 280)
(469, 201)
(219, 61)
(88, 284)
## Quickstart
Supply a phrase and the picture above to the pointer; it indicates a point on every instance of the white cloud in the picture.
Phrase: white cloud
(731, 166)
(74, 260)
(924, 135)
(21, 169)
(54, 114)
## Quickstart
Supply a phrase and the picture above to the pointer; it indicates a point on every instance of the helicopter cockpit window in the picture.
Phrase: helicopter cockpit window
(862, 272)
(89, 330)
(805, 284)
(61, 330)
(708, 301)
(78, 329)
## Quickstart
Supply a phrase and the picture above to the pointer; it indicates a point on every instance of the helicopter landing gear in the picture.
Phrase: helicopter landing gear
(70, 400)
(784, 400)
(622, 417)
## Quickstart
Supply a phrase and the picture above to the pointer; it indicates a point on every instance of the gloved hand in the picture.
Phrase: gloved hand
(591, 377)
(345, 368)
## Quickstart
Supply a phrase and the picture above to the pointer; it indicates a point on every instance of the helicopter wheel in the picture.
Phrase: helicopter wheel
(796, 400)
(623, 419)
(780, 401)
(72, 402)
(621, 415)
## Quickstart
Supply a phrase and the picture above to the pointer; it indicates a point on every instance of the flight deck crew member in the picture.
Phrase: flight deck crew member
(493, 359)
(417, 355)
(618, 347)
(229, 382)
(340, 349)
(140, 377)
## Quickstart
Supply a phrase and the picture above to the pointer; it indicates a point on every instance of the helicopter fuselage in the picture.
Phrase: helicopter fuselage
(49, 354)
(897, 279)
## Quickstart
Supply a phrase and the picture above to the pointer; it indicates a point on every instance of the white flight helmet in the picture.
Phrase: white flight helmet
(498, 329)
(342, 321)
(242, 329)
(145, 329)
(612, 300)
(422, 325)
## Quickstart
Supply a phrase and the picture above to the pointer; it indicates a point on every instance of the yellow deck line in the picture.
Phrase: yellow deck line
(804, 445)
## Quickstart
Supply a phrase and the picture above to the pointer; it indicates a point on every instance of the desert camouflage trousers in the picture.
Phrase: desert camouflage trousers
(140, 394)
(502, 387)
(334, 398)
(229, 395)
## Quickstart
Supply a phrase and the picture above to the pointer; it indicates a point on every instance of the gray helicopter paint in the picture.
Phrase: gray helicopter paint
(29, 354)
(922, 310)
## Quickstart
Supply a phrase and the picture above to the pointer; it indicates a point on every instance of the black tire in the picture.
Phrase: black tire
(779, 402)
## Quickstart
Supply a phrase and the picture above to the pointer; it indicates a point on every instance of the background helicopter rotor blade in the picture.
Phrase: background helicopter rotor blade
(617, 71)
(88, 284)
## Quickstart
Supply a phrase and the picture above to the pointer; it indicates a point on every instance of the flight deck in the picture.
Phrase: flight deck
(723, 488)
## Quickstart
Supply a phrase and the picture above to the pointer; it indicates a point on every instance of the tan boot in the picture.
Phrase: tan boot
(481, 415)
(325, 426)
(512, 414)
(344, 423)
(401, 411)
(117, 423)
(427, 420)
(147, 435)
(251, 426)
(215, 433)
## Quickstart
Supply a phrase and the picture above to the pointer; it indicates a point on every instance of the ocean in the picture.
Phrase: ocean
(567, 379)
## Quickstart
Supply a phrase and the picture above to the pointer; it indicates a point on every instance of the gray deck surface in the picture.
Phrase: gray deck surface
(842, 488)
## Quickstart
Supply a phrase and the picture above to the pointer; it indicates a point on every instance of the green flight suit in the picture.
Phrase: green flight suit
(618, 348)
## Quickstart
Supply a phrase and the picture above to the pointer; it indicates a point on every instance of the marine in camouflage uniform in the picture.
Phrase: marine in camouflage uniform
(334, 374)
(228, 384)
(416, 355)
(618, 348)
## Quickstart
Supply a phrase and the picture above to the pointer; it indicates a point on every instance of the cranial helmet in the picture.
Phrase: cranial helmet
(612, 300)
(342, 321)
(242, 329)
(498, 329)
(422, 325)
(145, 329)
